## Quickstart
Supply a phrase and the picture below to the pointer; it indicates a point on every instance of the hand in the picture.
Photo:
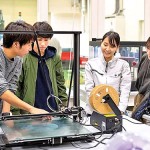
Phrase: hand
(34, 110)
(9, 123)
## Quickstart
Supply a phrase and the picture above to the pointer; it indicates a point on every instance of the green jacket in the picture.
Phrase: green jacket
(27, 81)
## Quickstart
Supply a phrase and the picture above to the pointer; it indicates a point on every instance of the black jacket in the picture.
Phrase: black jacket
(143, 76)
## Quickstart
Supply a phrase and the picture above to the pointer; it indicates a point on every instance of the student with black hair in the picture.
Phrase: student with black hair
(41, 83)
(15, 46)
(110, 70)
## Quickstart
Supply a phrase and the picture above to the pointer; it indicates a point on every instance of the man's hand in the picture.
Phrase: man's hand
(34, 110)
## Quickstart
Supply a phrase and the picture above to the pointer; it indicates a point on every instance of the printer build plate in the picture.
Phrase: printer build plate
(31, 130)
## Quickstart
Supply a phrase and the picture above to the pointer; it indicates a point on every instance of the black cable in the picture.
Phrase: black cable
(99, 137)
(124, 128)
(71, 79)
(101, 141)
(109, 137)
(49, 88)
(118, 125)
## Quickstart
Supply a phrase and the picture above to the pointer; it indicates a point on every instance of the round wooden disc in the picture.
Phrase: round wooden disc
(97, 101)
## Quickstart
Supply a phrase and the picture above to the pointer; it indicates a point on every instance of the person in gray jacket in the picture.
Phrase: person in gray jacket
(109, 70)
(14, 47)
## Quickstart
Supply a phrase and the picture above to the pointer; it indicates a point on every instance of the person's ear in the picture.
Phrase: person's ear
(16, 44)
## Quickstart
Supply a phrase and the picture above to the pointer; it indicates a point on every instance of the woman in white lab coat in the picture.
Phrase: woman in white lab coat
(109, 70)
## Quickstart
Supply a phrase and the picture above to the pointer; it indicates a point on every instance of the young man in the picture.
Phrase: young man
(15, 46)
(41, 83)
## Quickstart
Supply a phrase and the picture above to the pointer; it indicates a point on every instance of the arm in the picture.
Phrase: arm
(89, 82)
(6, 107)
(19, 92)
(89, 85)
(8, 96)
(12, 99)
(12, 87)
(125, 86)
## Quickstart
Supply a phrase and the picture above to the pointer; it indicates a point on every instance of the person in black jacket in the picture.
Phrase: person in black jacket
(143, 84)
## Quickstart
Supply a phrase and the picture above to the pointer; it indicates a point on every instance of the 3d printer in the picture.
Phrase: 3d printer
(33, 130)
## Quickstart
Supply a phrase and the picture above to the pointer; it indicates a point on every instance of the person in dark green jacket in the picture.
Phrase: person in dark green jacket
(41, 82)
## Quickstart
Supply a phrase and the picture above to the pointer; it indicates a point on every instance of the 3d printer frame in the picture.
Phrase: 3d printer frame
(76, 91)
